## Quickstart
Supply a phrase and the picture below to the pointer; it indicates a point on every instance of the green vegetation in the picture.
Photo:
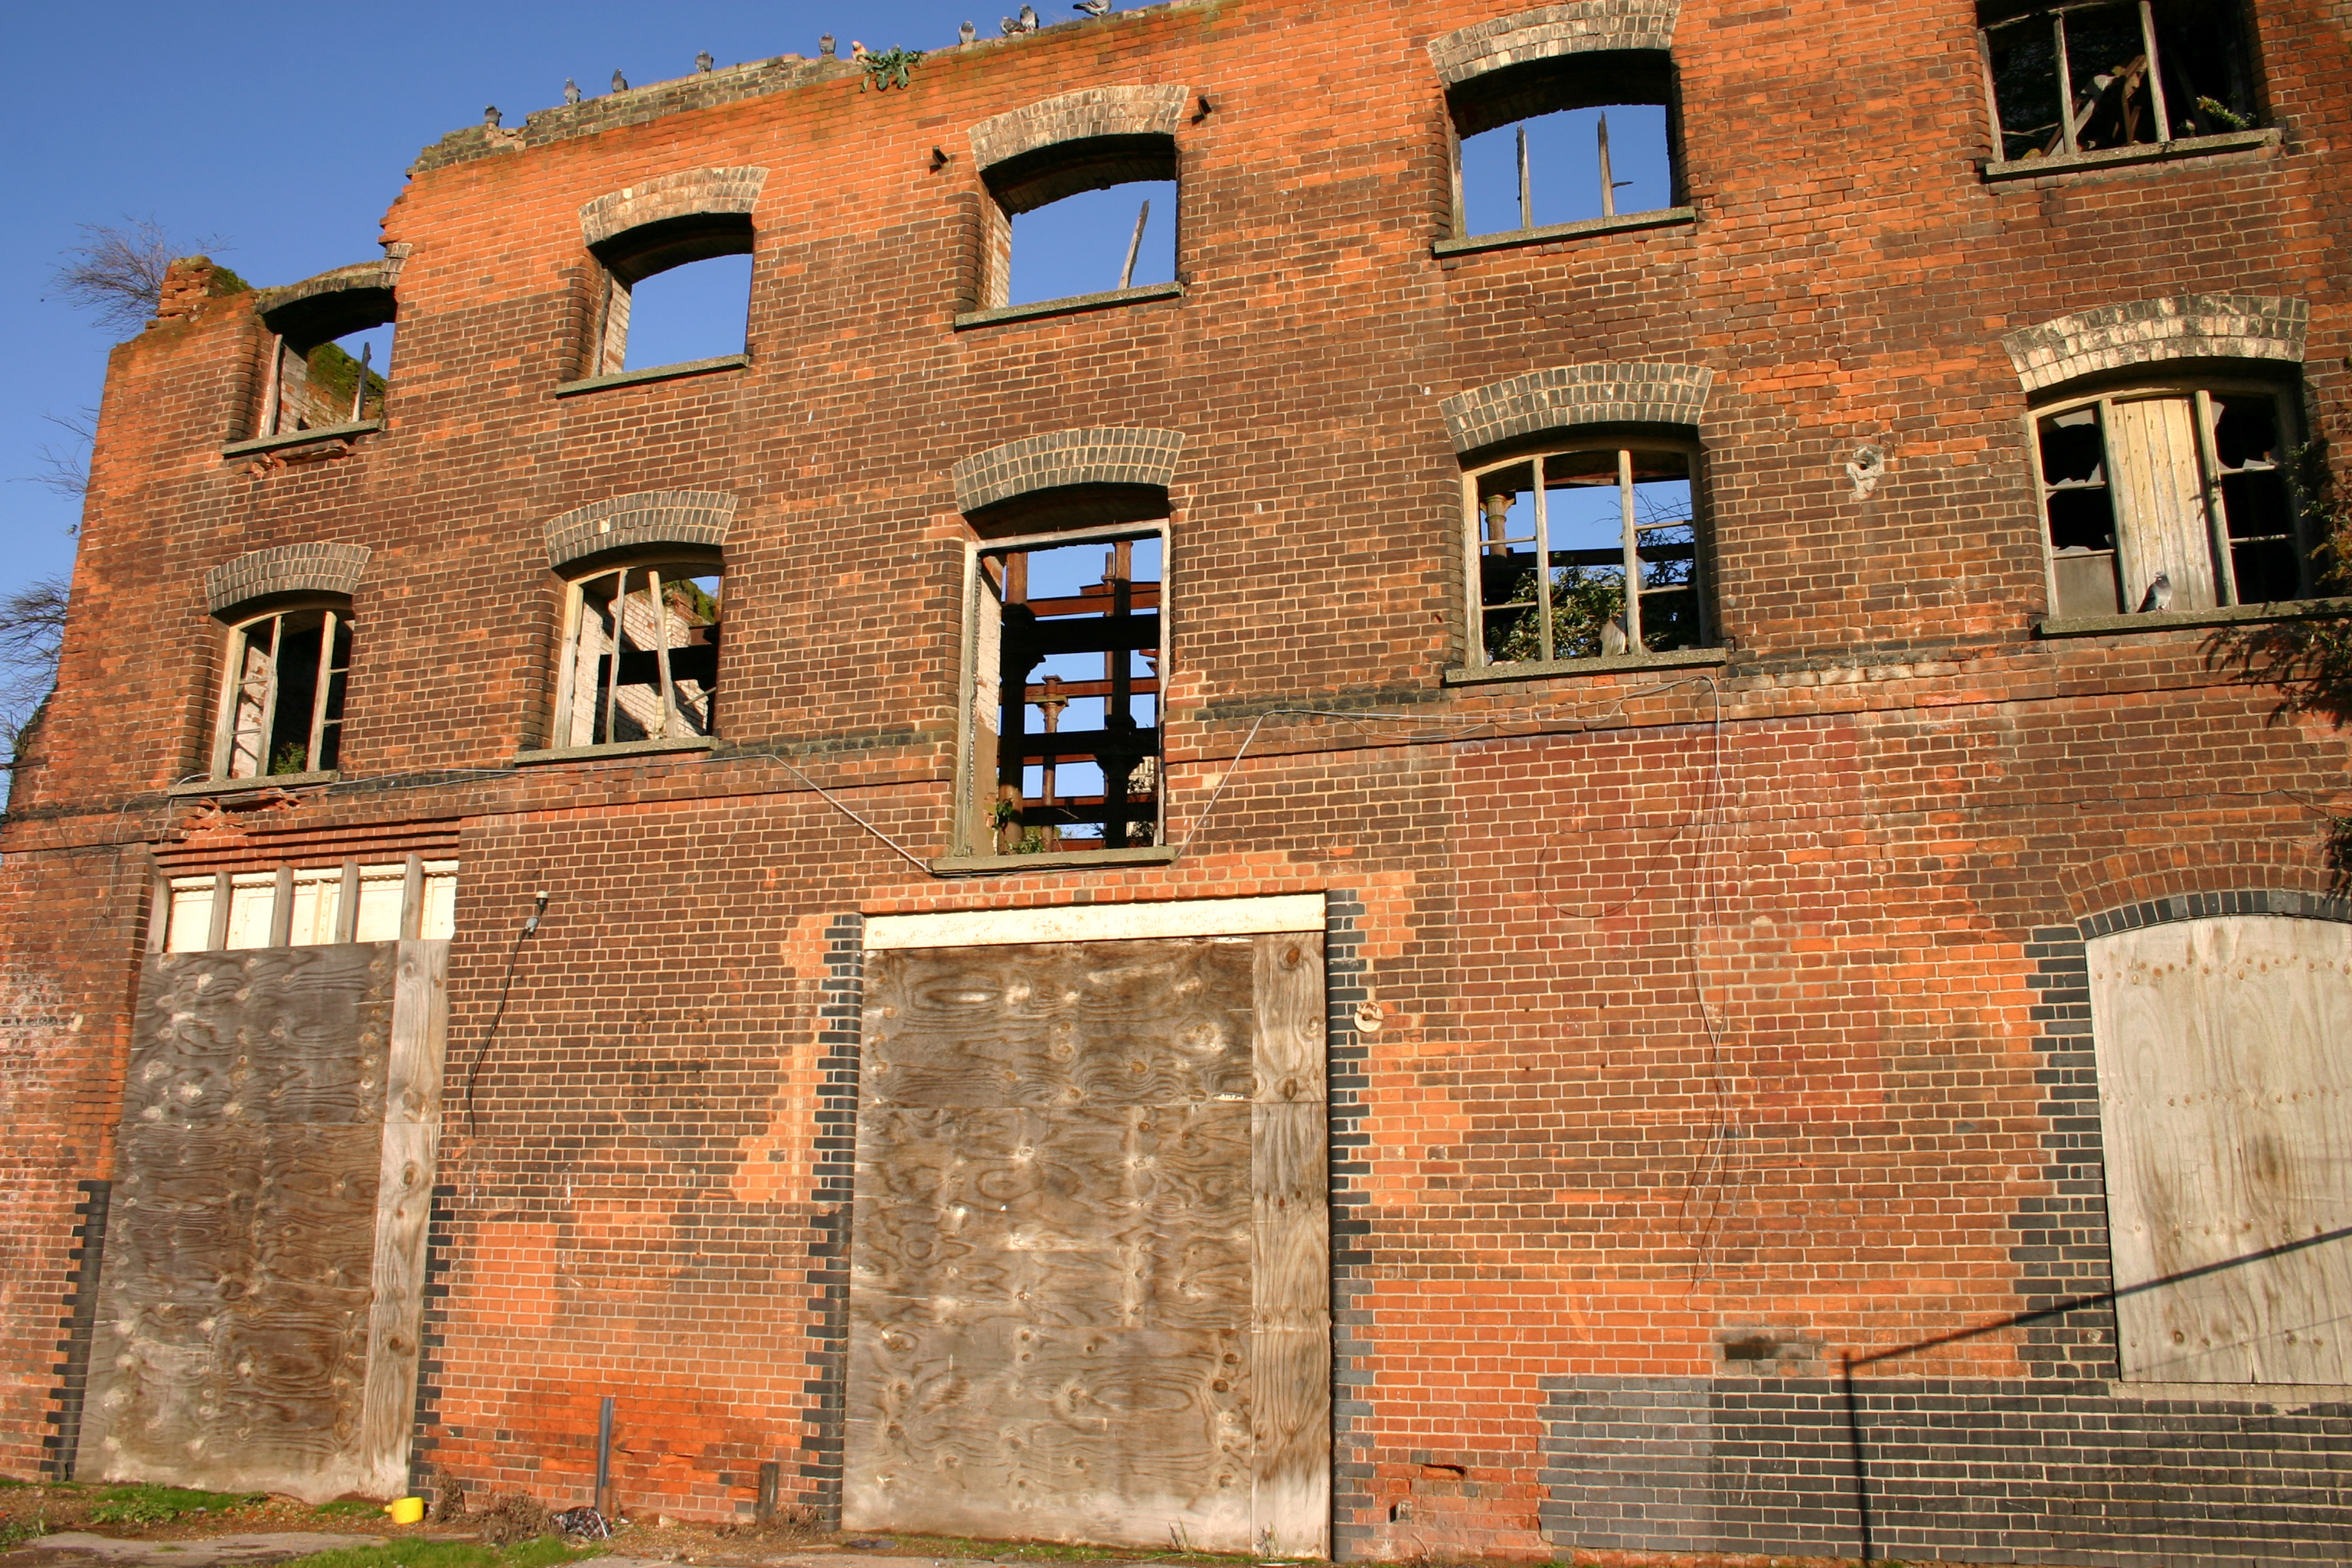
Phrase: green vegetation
(335, 372)
(888, 70)
(355, 1507)
(547, 1552)
(146, 1503)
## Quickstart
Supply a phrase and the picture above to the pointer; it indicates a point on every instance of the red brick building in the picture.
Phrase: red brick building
(563, 880)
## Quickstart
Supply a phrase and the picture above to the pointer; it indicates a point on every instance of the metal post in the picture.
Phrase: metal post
(605, 1458)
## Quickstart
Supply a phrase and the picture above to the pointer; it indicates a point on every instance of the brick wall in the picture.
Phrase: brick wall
(1712, 1001)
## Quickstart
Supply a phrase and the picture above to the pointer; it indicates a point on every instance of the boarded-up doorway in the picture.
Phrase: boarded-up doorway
(257, 1315)
(1089, 1294)
(2225, 1089)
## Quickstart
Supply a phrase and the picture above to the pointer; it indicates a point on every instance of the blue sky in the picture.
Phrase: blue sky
(285, 131)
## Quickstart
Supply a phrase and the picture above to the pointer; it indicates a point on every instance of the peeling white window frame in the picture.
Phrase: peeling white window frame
(232, 909)
(241, 680)
(654, 571)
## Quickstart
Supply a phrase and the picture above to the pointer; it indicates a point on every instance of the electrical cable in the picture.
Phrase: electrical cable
(539, 908)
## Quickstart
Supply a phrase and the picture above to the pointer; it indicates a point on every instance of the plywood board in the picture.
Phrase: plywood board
(2225, 1084)
(236, 1345)
(2159, 489)
(1089, 1206)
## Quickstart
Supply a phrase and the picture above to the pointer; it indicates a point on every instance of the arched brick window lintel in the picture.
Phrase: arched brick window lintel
(1566, 397)
(2156, 331)
(259, 574)
(647, 518)
(1553, 32)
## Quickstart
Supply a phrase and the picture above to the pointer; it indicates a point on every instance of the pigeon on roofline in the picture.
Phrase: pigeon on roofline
(620, 82)
(1612, 636)
(825, 46)
(1028, 18)
(571, 90)
(490, 116)
(857, 51)
(2160, 593)
(967, 33)
(1092, 7)
(1011, 27)
(703, 62)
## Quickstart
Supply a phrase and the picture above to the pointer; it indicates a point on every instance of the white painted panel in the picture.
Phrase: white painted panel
(380, 890)
(252, 900)
(191, 915)
(439, 922)
(2225, 1083)
(1098, 922)
(318, 895)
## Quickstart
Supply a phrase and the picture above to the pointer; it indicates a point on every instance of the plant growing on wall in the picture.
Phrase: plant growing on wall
(887, 70)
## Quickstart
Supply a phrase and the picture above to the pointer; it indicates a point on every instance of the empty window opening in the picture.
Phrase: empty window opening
(641, 655)
(674, 292)
(2116, 73)
(2171, 500)
(282, 707)
(316, 385)
(1122, 237)
(310, 906)
(1081, 218)
(1551, 562)
(1566, 166)
(1067, 666)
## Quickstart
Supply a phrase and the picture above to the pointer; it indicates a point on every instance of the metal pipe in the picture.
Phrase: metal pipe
(604, 1451)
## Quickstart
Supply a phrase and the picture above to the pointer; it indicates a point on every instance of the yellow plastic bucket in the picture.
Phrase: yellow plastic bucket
(405, 1510)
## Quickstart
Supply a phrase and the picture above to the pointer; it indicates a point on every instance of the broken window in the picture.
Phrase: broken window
(1563, 139)
(281, 709)
(1067, 660)
(319, 384)
(309, 906)
(2116, 73)
(640, 659)
(1082, 217)
(674, 291)
(2170, 500)
(1551, 561)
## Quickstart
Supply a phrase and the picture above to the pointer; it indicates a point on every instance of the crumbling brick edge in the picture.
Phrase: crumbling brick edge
(839, 1037)
(438, 1220)
(89, 1255)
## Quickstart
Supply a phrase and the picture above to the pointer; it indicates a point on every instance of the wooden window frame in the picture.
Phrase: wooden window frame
(665, 566)
(2200, 390)
(1474, 542)
(335, 617)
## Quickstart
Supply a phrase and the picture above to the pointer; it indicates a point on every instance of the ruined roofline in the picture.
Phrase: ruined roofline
(704, 90)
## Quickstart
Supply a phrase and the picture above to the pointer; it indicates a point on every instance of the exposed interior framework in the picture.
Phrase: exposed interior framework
(2094, 76)
(281, 704)
(2185, 484)
(322, 368)
(1067, 663)
(1549, 562)
(1533, 144)
(640, 653)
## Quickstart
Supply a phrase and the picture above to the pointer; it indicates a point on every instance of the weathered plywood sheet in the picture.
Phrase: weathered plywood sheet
(237, 1338)
(2225, 1080)
(1062, 1230)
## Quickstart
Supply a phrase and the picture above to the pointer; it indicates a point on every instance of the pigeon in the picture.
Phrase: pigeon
(1092, 7)
(703, 62)
(2160, 593)
(1011, 27)
(1612, 636)
(1028, 18)
(857, 51)
(967, 33)
(571, 90)
(620, 82)
(825, 46)
(490, 116)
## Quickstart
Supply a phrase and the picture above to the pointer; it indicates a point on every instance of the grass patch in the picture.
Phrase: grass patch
(349, 1506)
(147, 1503)
(546, 1551)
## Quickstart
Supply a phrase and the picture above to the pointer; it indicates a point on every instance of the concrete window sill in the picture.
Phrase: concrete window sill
(1069, 860)
(654, 373)
(301, 438)
(2174, 620)
(1662, 218)
(2124, 157)
(1069, 306)
(249, 787)
(1543, 669)
(619, 749)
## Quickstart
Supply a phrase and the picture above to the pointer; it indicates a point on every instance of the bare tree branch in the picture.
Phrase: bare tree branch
(117, 270)
(65, 466)
(32, 626)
